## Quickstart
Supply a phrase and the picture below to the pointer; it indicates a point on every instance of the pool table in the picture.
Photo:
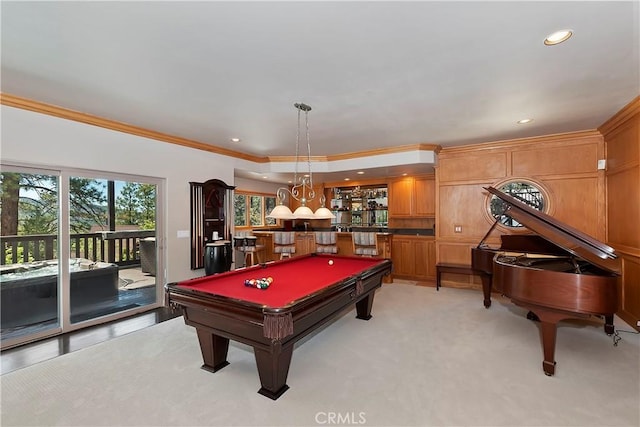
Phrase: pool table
(306, 292)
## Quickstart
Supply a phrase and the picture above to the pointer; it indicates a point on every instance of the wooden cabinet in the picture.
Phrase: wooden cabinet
(305, 243)
(413, 257)
(345, 243)
(412, 197)
(401, 197)
(425, 196)
(265, 239)
(211, 205)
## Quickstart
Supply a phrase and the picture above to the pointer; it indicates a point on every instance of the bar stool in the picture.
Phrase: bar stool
(326, 242)
(365, 243)
(239, 242)
(247, 245)
(284, 243)
(252, 250)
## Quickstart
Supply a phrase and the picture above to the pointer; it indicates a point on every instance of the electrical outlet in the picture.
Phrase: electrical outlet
(638, 323)
(457, 229)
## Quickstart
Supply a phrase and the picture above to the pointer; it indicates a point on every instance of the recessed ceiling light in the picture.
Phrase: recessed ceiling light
(235, 139)
(347, 179)
(404, 174)
(264, 177)
(360, 173)
(558, 37)
(524, 121)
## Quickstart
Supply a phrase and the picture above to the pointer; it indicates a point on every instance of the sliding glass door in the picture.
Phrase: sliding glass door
(30, 272)
(103, 227)
(112, 250)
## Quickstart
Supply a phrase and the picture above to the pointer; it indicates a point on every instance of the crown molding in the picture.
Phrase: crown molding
(626, 113)
(523, 142)
(77, 116)
(64, 113)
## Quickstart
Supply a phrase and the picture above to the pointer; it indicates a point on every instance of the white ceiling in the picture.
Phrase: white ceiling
(377, 74)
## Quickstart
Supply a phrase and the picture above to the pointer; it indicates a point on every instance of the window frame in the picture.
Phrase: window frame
(247, 211)
(544, 192)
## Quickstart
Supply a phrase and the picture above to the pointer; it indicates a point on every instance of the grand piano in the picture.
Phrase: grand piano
(557, 273)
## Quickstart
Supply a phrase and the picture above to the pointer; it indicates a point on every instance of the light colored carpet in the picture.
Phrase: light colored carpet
(426, 358)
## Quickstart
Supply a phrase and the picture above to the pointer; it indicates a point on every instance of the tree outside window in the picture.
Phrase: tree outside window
(269, 204)
(251, 209)
(256, 210)
(240, 210)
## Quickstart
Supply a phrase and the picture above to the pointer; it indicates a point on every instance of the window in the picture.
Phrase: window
(526, 192)
(80, 248)
(250, 209)
(269, 204)
(240, 210)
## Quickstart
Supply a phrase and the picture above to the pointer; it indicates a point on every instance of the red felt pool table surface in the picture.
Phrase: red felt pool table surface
(293, 279)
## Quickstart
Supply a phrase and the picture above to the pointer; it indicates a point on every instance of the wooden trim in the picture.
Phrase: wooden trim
(284, 159)
(622, 168)
(621, 117)
(523, 143)
(64, 113)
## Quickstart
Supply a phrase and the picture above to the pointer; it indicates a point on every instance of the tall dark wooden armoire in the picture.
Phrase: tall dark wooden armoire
(211, 213)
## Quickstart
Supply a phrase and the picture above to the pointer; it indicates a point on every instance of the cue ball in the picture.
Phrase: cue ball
(330, 262)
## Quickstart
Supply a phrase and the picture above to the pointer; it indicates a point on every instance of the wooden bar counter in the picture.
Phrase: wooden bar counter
(305, 244)
(413, 255)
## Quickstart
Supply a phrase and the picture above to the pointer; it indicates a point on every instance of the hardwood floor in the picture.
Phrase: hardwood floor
(29, 354)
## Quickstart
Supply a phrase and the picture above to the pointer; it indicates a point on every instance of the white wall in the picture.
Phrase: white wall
(40, 140)
(257, 186)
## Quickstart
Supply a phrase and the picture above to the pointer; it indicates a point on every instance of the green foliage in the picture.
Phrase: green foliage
(127, 204)
(87, 203)
(147, 201)
(256, 210)
(136, 205)
(269, 205)
(240, 210)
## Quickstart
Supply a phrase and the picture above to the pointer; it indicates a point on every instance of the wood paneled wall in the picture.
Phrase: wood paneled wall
(564, 165)
(622, 143)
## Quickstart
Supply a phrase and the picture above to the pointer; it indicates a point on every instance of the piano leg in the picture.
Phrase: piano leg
(549, 329)
(486, 289)
(608, 324)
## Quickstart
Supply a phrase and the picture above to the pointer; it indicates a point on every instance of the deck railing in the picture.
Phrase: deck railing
(118, 247)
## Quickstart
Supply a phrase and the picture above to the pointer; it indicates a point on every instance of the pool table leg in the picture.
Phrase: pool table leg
(273, 368)
(214, 350)
(363, 307)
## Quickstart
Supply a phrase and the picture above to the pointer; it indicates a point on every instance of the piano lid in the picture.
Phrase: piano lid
(568, 238)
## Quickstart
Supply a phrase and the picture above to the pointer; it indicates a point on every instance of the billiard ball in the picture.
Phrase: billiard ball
(330, 262)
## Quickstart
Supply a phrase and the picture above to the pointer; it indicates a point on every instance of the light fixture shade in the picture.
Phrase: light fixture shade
(303, 212)
(324, 213)
(281, 212)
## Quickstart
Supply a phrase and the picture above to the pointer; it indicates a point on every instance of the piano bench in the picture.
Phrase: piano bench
(451, 268)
